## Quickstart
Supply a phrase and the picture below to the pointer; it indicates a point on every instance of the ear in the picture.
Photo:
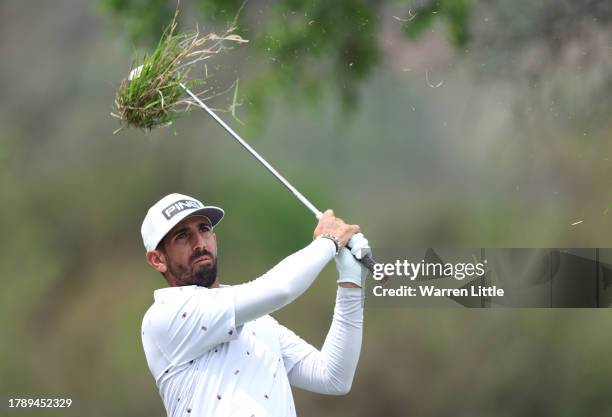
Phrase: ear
(157, 260)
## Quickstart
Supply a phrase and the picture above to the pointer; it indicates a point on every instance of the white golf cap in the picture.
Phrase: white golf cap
(168, 212)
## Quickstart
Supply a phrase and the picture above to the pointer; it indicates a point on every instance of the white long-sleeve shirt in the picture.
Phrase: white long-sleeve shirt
(217, 352)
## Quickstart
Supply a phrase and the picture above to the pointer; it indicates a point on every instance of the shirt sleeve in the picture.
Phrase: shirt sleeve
(283, 283)
(293, 348)
(188, 327)
(331, 370)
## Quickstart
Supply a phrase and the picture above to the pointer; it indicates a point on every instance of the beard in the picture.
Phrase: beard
(203, 275)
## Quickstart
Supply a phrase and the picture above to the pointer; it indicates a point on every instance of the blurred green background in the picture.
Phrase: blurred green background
(430, 123)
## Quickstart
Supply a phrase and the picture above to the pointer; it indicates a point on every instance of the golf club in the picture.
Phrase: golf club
(366, 260)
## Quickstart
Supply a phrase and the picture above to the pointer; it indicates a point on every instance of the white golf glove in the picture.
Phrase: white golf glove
(349, 269)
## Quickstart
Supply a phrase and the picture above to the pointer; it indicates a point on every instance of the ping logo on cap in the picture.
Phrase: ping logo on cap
(179, 206)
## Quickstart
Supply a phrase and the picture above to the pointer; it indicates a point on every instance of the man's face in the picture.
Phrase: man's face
(189, 255)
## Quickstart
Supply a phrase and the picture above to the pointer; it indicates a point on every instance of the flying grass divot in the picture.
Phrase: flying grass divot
(153, 94)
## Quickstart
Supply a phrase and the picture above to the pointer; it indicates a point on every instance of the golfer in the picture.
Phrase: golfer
(213, 349)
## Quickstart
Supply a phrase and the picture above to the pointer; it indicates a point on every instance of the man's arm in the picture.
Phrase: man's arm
(331, 370)
(283, 283)
(292, 276)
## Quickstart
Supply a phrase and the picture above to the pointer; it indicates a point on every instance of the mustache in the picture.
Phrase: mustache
(199, 253)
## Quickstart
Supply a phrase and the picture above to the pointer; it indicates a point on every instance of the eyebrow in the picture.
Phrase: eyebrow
(182, 229)
(185, 229)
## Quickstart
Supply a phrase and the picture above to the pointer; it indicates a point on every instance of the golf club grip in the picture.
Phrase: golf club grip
(368, 262)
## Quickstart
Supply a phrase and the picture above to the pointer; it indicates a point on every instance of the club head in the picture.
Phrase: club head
(135, 73)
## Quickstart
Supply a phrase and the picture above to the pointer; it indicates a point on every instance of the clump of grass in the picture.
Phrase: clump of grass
(152, 95)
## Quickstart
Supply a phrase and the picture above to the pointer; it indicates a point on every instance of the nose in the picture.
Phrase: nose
(199, 242)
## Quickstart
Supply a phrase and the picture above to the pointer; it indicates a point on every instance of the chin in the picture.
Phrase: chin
(205, 276)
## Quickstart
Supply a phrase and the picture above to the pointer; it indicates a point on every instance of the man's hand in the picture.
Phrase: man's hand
(332, 225)
(349, 270)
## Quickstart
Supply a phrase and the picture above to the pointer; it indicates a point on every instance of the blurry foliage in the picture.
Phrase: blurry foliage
(455, 12)
(142, 19)
(309, 47)
(556, 55)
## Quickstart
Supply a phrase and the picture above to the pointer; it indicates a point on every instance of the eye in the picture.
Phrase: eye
(205, 227)
(181, 235)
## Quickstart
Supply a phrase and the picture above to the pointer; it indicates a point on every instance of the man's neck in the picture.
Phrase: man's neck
(176, 284)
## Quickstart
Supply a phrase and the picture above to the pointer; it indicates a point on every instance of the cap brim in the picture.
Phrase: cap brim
(214, 214)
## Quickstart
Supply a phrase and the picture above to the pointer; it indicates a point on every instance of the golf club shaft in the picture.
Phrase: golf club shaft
(253, 152)
(366, 261)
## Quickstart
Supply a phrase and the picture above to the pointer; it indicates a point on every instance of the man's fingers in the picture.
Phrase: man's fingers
(335, 226)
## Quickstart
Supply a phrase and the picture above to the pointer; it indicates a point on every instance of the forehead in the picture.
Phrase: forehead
(190, 221)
